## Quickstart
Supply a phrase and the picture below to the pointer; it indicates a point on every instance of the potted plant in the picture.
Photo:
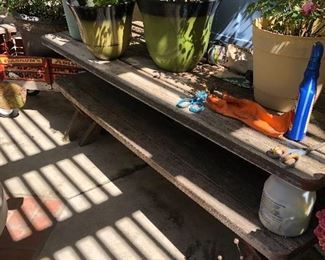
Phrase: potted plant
(282, 43)
(104, 25)
(177, 32)
(35, 18)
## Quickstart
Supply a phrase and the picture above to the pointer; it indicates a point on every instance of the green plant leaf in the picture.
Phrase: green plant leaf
(293, 17)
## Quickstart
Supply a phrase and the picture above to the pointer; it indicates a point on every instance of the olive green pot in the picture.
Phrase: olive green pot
(177, 33)
(106, 31)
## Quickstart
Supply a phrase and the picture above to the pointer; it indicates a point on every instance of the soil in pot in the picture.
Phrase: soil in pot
(32, 29)
(279, 63)
(177, 33)
(106, 31)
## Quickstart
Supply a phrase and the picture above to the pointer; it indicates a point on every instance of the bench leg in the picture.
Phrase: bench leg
(81, 126)
(91, 134)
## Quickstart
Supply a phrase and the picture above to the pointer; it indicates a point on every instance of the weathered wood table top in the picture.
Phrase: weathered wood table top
(136, 74)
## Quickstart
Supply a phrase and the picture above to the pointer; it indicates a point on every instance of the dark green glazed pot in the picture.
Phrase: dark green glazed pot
(177, 33)
(106, 31)
(32, 29)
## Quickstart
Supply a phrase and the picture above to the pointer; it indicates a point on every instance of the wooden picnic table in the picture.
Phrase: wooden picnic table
(185, 148)
(136, 74)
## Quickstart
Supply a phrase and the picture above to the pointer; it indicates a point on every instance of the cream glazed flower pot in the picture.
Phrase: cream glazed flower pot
(279, 62)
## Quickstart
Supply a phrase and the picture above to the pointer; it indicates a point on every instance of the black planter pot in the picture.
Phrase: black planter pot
(32, 30)
(177, 33)
(106, 31)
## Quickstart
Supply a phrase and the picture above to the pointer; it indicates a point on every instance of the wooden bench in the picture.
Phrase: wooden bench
(204, 171)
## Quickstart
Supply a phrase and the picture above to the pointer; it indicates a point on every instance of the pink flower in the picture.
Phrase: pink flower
(308, 7)
(322, 223)
(320, 214)
(319, 231)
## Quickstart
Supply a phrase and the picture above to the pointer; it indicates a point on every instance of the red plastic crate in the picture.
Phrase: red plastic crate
(15, 66)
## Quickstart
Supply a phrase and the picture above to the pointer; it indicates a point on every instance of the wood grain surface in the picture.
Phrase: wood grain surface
(136, 75)
(226, 186)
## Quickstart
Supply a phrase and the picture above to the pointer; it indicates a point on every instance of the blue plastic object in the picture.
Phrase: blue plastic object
(195, 104)
(307, 92)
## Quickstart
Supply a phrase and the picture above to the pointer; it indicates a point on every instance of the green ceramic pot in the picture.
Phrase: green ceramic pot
(71, 21)
(177, 33)
(106, 31)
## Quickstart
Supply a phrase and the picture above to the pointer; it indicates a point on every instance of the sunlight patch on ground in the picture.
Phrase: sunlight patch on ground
(86, 165)
(65, 253)
(37, 183)
(97, 196)
(21, 231)
(11, 151)
(58, 180)
(19, 137)
(80, 204)
(136, 236)
(141, 220)
(39, 121)
(36, 133)
(89, 247)
(3, 159)
(74, 174)
(15, 186)
(56, 190)
(107, 235)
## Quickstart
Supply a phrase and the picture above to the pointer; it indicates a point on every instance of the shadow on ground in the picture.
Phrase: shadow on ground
(93, 202)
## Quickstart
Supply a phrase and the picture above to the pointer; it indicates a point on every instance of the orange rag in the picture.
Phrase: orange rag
(252, 114)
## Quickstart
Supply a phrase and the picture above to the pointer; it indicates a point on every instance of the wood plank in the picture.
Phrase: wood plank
(226, 186)
(34, 85)
(91, 134)
(163, 94)
(79, 123)
(203, 74)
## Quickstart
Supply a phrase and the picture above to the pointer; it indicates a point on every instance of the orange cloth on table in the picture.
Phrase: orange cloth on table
(251, 114)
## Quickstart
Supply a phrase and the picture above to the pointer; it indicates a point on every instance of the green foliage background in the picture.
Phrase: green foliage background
(50, 10)
(286, 17)
(99, 3)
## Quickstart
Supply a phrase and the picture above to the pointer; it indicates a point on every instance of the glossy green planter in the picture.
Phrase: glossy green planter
(106, 31)
(177, 33)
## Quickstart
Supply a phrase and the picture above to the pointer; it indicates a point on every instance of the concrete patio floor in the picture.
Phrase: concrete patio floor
(94, 202)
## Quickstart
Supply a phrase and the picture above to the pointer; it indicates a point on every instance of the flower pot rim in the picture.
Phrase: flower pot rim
(96, 7)
(182, 2)
(18, 16)
(177, 9)
(257, 20)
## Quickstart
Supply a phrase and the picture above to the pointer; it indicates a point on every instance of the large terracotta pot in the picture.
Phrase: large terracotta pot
(177, 33)
(106, 31)
(279, 62)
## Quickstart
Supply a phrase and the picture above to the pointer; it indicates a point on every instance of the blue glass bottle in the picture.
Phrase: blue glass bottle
(307, 93)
